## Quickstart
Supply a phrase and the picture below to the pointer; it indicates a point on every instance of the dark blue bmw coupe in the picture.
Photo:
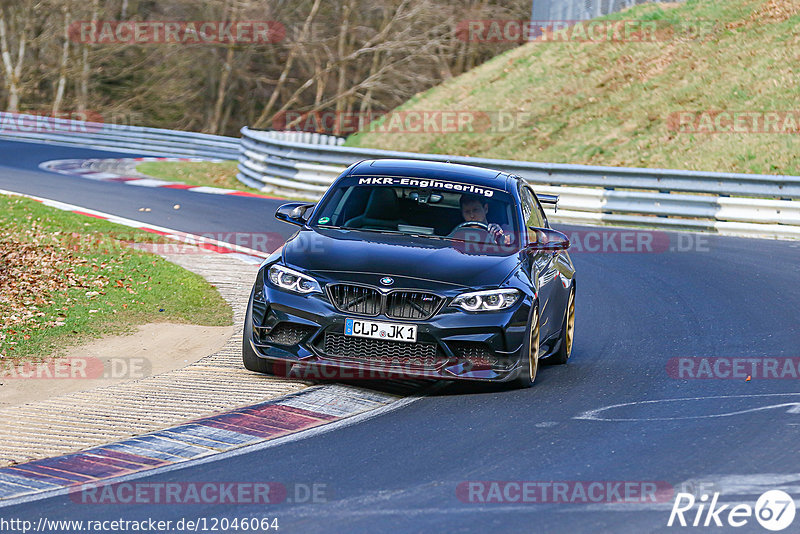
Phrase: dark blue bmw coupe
(415, 268)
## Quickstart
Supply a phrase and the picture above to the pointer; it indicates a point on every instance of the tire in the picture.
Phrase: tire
(531, 349)
(251, 360)
(567, 332)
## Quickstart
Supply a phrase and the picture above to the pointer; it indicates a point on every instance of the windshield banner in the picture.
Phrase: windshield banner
(424, 183)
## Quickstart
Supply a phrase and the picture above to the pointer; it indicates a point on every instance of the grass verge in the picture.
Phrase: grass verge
(213, 174)
(66, 278)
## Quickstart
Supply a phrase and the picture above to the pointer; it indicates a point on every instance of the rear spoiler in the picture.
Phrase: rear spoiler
(549, 199)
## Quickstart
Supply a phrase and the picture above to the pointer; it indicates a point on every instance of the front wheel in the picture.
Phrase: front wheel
(251, 360)
(531, 350)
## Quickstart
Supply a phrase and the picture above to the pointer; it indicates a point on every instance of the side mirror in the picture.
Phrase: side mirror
(294, 213)
(547, 239)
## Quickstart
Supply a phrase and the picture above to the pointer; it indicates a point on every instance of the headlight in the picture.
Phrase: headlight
(291, 280)
(491, 300)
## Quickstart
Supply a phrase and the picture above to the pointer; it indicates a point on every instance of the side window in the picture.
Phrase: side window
(530, 209)
(540, 213)
(534, 218)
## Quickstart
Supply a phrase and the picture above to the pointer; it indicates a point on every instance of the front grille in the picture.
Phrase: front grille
(356, 299)
(471, 350)
(286, 333)
(477, 354)
(398, 304)
(411, 305)
(380, 350)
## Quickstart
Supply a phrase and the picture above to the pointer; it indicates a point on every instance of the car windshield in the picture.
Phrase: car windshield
(421, 207)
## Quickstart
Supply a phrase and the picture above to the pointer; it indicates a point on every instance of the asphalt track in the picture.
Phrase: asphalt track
(399, 471)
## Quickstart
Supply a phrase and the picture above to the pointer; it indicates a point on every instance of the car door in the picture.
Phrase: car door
(564, 274)
(542, 265)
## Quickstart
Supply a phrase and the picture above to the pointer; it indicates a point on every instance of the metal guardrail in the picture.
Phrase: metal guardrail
(116, 137)
(757, 205)
(300, 164)
(571, 10)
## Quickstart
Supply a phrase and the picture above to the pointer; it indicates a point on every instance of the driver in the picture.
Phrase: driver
(475, 209)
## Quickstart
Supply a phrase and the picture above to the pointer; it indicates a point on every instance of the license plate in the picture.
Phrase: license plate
(377, 330)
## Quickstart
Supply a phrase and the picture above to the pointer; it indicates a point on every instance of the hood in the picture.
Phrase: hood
(350, 251)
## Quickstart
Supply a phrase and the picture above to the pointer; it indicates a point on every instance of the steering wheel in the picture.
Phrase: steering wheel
(477, 224)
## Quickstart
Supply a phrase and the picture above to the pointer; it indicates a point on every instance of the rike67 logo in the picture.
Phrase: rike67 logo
(774, 510)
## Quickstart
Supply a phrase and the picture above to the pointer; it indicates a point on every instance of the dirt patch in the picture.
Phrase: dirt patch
(777, 10)
(154, 349)
(772, 12)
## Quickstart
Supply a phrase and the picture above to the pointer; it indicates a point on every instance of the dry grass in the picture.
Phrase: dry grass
(609, 103)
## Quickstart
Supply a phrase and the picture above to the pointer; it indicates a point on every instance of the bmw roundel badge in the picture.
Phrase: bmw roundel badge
(387, 280)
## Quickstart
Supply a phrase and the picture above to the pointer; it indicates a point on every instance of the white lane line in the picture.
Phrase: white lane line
(177, 235)
(147, 182)
(83, 168)
(212, 190)
(595, 415)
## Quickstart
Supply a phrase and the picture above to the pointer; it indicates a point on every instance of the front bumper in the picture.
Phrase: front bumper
(306, 333)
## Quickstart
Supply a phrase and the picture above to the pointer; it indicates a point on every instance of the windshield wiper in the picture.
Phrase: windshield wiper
(388, 232)
(396, 232)
(373, 230)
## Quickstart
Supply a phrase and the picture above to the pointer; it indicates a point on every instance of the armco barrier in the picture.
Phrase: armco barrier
(117, 137)
(303, 165)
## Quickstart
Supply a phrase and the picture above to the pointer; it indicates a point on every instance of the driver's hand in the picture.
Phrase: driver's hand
(498, 235)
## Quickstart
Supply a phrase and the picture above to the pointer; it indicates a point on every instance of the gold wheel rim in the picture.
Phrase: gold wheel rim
(570, 323)
(533, 347)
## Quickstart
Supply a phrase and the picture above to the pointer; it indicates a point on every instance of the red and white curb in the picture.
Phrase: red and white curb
(204, 440)
(214, 438)
(247, 255)
(84, 169)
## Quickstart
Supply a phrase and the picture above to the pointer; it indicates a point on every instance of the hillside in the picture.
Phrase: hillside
(735, 82)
